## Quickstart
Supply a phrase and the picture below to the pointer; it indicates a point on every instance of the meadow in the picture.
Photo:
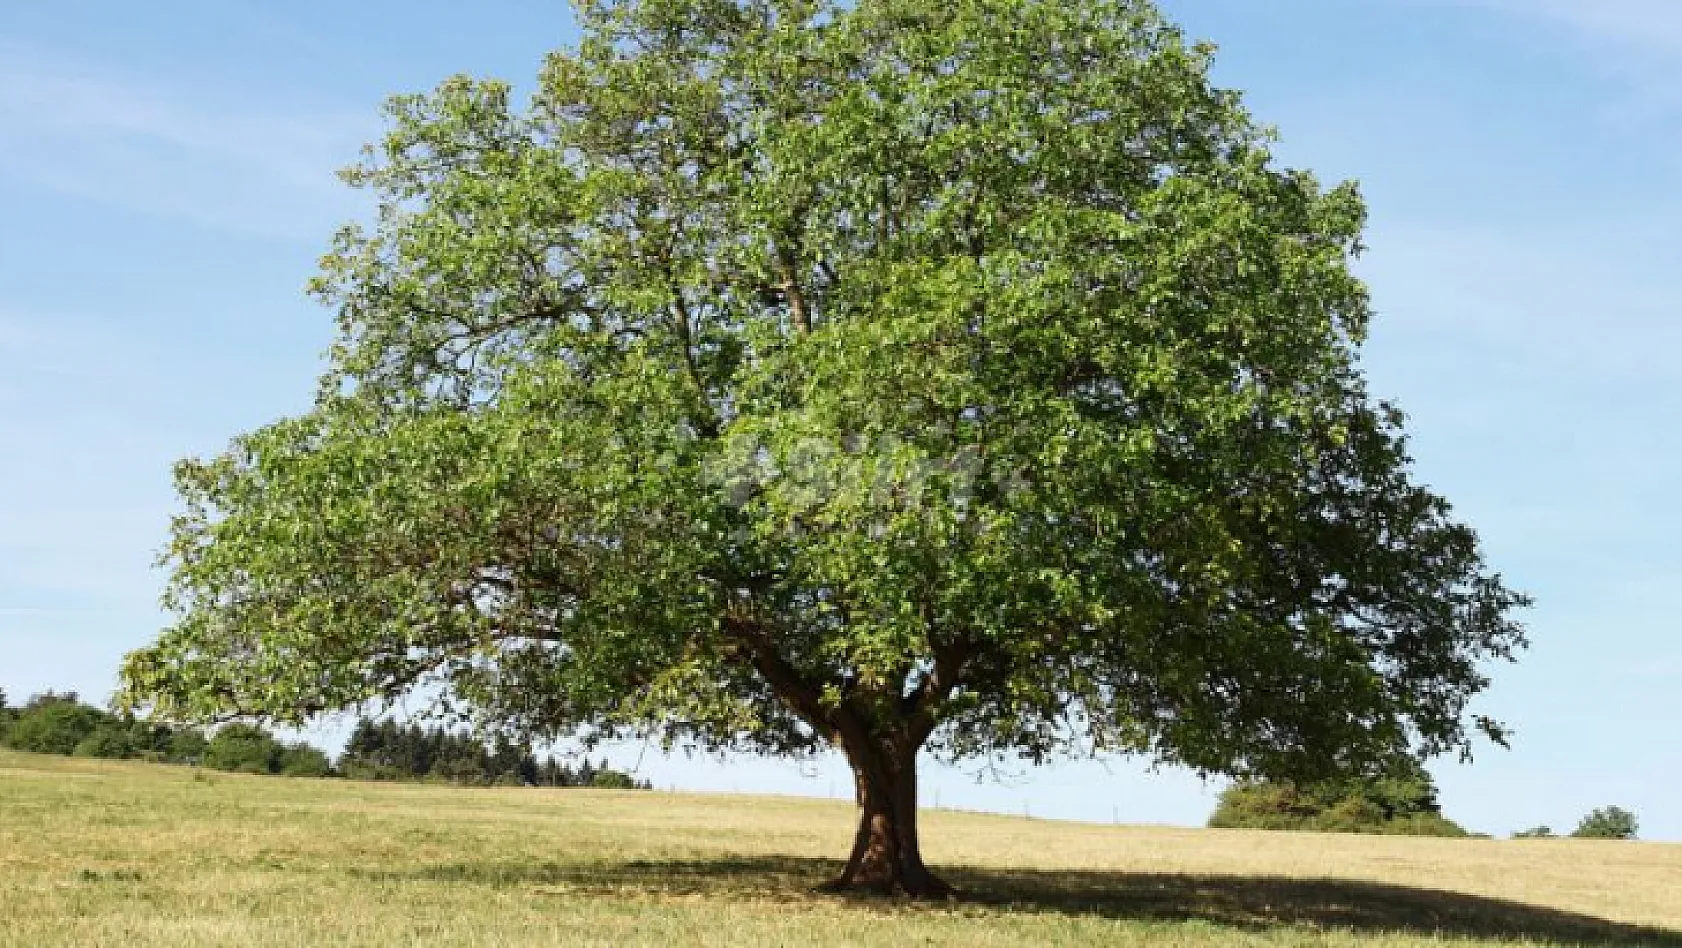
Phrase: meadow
(117, 853)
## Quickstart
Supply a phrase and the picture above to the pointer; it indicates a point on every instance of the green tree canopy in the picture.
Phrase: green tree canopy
(54, 724)
(302, 760)
(1612, 822)
(885, 375)
(1400, 801)
(243, 748)
(111, 739)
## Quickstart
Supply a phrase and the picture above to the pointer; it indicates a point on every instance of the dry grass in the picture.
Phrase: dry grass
(96, 853)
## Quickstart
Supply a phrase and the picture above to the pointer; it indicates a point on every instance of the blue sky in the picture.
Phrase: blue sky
(166, 184)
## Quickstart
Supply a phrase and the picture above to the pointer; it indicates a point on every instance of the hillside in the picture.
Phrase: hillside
(98, 853)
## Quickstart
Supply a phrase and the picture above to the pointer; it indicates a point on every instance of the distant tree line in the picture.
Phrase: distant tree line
(1403, 803)
(386, 750)
(1611, 822)
(54, 723)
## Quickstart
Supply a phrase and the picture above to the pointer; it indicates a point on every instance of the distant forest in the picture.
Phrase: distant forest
(54, 723)
(386, 750)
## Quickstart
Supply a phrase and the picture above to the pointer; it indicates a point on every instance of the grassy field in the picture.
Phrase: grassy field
(102, 853)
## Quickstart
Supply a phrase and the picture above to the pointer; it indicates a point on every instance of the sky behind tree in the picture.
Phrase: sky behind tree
(166, 174)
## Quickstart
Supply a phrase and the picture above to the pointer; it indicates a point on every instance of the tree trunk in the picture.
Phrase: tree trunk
(886, 857)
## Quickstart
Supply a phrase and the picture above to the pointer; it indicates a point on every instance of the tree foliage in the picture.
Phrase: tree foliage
(1610, 822)
(109, 740)
(243, 748)
(386, 750)
(302, 760)
(1402, 802)
(246, 748)
(53, 723)
(888, 375)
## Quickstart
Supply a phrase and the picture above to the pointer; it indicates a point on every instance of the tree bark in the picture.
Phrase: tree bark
(886, 856)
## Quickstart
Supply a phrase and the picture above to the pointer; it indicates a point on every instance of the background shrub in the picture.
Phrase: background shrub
(1607, 823)
(111, 739)
(61, 724)
(187, 746)
(245, 749)
(53, 724)
(302, 760)
(1401, 803)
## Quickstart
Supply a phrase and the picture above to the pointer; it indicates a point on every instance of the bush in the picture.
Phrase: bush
(148, 740)
(458, 769)
(110, 740)
(186, 747)
(248, 749)
(362, 770)
(1426, 824)
(243, 748)
(1403, 803)
(1268, 806)
(1352, 814)
(1607, 823)
(1535, 832)
(613, 780)
(61, 724)
(53, 724)
(302, 760)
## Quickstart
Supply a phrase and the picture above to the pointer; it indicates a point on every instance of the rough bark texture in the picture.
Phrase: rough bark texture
(886, 857)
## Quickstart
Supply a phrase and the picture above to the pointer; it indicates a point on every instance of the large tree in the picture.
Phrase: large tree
(887, 375)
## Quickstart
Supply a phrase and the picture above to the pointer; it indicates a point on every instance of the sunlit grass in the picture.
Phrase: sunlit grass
(98, 853)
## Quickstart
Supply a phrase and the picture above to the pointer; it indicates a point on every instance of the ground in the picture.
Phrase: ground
(108, 853)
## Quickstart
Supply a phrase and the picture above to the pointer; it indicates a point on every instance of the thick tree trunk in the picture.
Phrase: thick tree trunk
(886, 857)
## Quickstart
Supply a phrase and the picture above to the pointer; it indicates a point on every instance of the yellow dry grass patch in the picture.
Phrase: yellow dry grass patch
(100, 853)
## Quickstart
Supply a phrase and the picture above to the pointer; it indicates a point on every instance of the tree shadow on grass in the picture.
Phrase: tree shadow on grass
(1259, 902)
(1253, 903)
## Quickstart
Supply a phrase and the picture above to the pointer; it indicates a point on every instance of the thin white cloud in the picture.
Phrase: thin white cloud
(89, 434)
(1555, 308)
(84, 348)
(50, 611)
(1637, 43)
(1640, 23)
(76, 128)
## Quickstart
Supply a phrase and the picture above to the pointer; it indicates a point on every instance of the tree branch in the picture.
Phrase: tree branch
(786, 268)
(708, 426)
(805, 697)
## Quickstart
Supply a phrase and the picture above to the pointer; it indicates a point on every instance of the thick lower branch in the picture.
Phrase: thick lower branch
(802, 694)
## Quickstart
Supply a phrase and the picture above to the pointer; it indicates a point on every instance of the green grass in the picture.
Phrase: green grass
(99, 853)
